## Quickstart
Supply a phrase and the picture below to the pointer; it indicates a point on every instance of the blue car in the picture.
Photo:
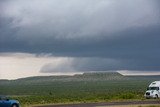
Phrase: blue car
(5, 102)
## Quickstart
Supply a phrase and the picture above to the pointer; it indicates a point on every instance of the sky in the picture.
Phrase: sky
(65, 37)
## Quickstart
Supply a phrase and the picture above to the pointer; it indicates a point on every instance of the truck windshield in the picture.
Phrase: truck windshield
(153, 88)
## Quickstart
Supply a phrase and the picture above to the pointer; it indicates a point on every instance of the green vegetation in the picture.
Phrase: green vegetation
(89, 87)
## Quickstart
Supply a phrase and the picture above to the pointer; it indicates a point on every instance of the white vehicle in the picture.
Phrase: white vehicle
(153, 91)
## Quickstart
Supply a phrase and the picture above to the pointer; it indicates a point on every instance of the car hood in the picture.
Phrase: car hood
(14, 101)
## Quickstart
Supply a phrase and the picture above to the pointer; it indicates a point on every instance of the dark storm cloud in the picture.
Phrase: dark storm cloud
(133, 49)
(138, 52)
(100, 35)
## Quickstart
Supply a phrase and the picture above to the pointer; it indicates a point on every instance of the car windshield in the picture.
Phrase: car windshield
(153, 88)
(3, 98)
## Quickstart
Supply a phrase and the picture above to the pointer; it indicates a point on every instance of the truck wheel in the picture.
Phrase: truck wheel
(14, 105)
(157, 96)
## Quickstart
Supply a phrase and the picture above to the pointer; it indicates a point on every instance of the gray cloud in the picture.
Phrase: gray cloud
(109, 34)
(100, 64)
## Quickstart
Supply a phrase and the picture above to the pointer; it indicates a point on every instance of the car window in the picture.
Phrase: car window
(3, 98)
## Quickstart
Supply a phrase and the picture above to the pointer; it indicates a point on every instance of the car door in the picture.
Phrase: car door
(1, 103)
(4, 102)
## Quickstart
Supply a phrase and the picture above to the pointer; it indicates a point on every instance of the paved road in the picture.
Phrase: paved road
(104, 104)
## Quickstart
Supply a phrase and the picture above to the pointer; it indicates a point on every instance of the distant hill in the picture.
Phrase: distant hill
(92, 76)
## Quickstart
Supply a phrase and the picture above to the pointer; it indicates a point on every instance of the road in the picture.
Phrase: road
(104, 104)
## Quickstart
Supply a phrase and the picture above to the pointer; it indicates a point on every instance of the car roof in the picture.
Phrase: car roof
(3, 96)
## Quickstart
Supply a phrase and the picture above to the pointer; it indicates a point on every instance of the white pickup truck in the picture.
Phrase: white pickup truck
(153, 91)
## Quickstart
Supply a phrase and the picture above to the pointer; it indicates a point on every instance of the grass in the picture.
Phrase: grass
(91, 87)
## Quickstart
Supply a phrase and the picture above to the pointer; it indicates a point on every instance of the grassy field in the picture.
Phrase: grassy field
(89, 87)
